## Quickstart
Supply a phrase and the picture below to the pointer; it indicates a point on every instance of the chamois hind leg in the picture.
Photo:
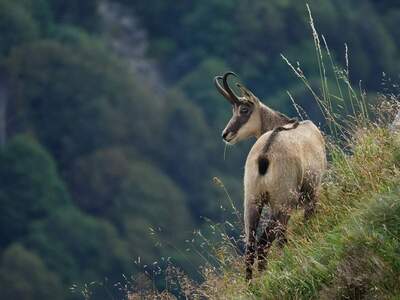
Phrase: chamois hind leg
(275, 229)
(309, 193)
(281, 228)
(252, 212)
(309, 197)
(265, 242)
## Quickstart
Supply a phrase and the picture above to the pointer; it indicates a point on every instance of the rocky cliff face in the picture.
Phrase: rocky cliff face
(128, 40)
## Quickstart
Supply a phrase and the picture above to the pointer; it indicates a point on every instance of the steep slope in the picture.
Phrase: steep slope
(350, 249)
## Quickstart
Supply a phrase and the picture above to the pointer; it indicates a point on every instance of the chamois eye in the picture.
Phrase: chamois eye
(244, 110)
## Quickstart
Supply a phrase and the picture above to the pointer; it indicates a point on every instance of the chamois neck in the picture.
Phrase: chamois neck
(271, 119)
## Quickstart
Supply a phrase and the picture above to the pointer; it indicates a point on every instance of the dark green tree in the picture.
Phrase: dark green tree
(78, 99)
(17, 26)
(75, 12)
(79, 248)
(24, 276)
(30, 187)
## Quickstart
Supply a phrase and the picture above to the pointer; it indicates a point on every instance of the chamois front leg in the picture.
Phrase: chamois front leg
(252, 212)
(281, 228)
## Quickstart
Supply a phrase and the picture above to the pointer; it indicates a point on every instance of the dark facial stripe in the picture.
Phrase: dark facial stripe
(238, 119)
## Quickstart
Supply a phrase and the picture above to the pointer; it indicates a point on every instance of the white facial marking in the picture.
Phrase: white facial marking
(248, 129)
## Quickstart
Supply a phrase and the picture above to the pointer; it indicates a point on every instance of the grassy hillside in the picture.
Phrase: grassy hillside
(350, 249)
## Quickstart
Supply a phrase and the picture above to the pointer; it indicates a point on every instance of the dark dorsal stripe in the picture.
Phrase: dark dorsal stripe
(263, 162)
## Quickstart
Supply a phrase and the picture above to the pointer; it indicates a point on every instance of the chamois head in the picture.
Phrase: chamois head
(246, 119)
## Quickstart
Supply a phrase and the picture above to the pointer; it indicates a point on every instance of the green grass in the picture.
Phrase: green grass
(355, 257)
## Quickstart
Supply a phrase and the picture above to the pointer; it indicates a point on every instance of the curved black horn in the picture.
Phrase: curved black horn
(221, 89)
(228, 89)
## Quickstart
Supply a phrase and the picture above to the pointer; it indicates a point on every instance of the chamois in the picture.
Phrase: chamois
(283, 168)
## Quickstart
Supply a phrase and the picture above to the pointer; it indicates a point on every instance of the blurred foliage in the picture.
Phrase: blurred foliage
(101, 167)
(78, 247)
(24, 276)
(30, 187)
(250, 35)
(16, 25)
(76, 93)
(76, 12)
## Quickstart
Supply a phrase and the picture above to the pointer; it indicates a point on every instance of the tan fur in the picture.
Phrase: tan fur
(295, 156)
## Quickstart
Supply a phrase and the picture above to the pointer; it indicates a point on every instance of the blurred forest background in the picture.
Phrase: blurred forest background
(110, 124)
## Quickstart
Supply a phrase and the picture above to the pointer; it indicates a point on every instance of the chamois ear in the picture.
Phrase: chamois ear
(248, 96)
